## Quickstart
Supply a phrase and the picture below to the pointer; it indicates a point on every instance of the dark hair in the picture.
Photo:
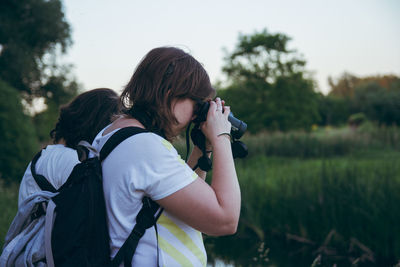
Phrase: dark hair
(85, 116)
(164, 74)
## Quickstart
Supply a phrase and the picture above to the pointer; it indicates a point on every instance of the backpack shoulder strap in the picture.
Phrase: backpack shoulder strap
(117, 138)
(149, 213)
(146, 218)
(41, 181)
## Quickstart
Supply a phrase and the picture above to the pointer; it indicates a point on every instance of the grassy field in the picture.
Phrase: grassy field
(344, 210)
(321, 198)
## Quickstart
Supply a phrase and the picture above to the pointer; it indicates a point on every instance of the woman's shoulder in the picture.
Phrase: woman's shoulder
(151, 143)
(58, 149)
(143, 144)
(58, 153)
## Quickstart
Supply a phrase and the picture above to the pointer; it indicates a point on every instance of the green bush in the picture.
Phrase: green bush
(18, 141)
(357, 119)
(378, 103)
(333, 110)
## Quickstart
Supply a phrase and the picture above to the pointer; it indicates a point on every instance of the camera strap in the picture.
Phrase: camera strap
(187, 141)
(199, 140)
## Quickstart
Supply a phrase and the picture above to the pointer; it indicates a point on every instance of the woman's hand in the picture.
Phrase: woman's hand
(217, 122)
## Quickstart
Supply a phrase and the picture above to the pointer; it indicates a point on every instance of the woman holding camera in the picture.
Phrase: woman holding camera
(162, 97)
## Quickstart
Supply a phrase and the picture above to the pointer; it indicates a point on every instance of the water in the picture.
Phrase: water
(219, 263)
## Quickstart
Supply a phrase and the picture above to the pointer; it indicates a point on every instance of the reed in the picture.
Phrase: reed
(343, 210)
(326, 142)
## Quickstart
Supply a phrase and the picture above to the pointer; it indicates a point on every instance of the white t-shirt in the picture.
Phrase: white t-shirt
(55, 163)
(148, 165)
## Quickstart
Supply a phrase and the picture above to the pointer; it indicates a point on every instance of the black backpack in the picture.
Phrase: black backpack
(77, 234)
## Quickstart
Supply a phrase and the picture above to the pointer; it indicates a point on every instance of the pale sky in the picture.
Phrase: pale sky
(111, 37)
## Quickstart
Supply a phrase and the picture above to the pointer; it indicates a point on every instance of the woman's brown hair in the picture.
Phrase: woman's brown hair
(85, 116)
(164, 74)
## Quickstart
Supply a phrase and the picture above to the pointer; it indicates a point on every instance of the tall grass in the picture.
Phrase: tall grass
(320, 143)
(324, 142)
(344, 210)
(8, 207)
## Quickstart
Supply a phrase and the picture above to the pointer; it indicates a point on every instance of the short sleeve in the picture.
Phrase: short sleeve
(159, 170)
(55, 163)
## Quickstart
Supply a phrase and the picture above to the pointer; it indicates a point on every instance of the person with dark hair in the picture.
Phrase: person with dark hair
(163, 96)
(80, 120)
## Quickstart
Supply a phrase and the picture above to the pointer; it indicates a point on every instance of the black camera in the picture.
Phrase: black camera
(239, 149)
(238, 126)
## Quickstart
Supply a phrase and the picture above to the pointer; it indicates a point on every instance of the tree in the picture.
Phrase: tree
(378, 97)
(32, 32)
(267, 84)
(17, 137)
(345, 86)
(378, 103)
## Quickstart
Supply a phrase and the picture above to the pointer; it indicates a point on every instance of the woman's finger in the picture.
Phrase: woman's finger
(227, 110)
(219, 104)
(213, 106)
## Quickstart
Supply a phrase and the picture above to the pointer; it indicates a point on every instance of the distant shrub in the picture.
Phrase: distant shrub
(357, 119)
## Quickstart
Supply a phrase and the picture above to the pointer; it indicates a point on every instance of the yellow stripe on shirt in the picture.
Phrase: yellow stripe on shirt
(174, 229)
(174, 253)
(181, 161)
(167, 144)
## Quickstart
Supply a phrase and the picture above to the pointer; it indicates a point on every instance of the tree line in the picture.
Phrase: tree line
(268, 85)
(33, 35)
(270, 88)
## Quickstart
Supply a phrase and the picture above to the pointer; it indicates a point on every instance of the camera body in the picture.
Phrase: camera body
(238, 127)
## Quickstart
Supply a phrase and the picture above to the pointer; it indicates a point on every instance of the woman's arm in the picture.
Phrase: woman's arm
(212, 209)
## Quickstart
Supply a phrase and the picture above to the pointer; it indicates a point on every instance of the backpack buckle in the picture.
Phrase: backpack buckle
(40, 210)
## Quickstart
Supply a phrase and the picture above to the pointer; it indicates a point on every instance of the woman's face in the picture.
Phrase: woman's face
(183, 110)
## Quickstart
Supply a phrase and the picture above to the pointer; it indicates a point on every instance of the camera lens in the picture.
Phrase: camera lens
(238, 126)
